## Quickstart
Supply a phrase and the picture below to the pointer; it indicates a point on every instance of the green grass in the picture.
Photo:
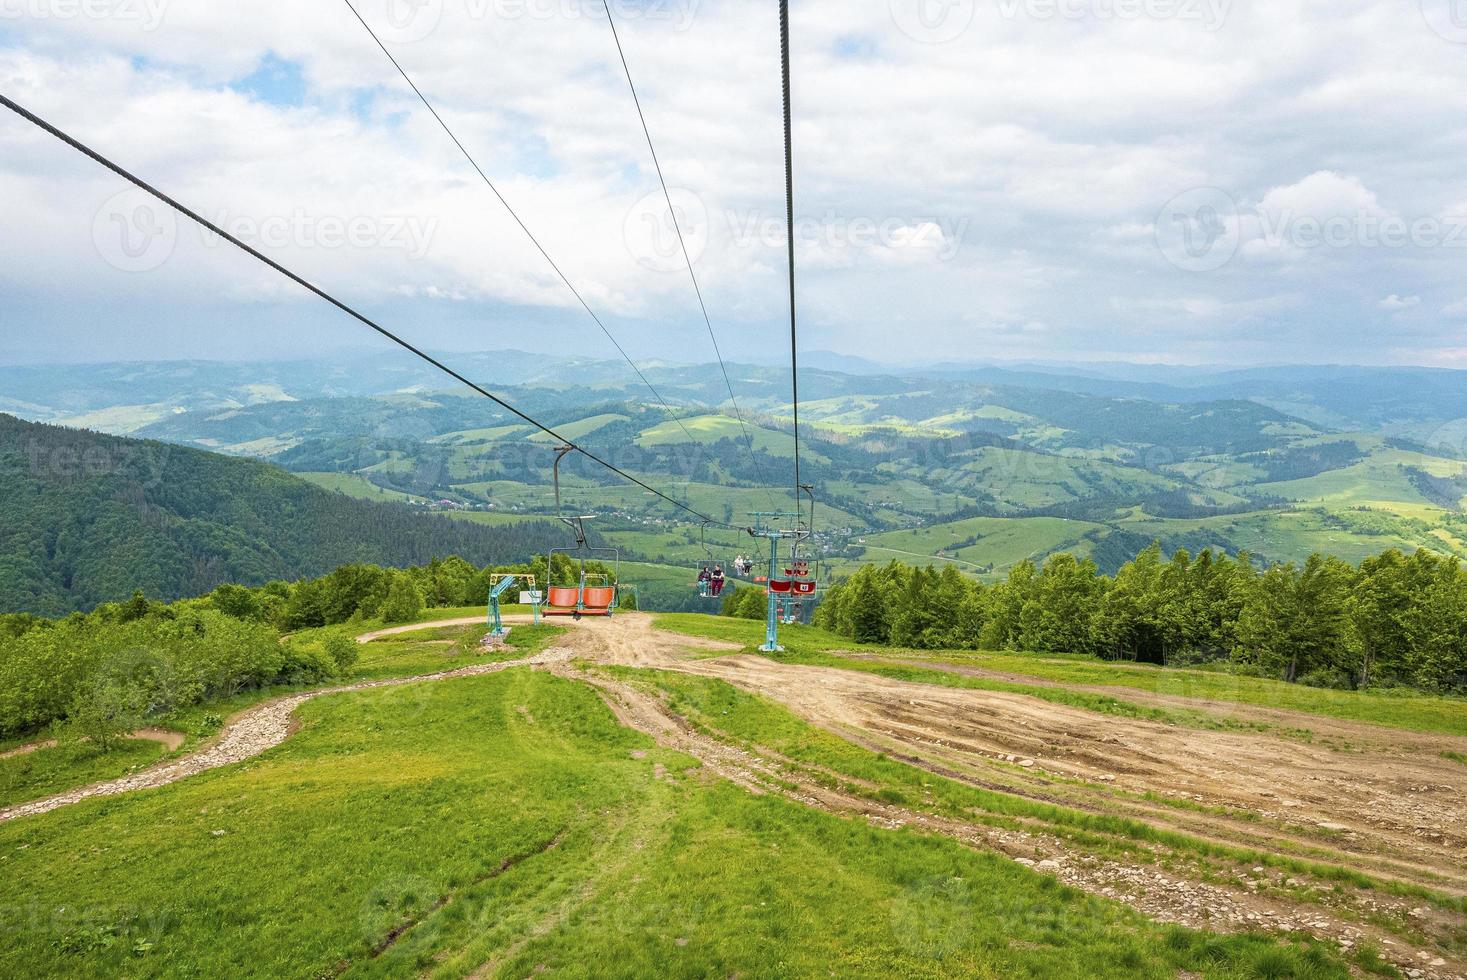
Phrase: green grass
(416, 654)
(491, 518)
(998, 541)
(580, 429)
(1024, 479)
(1392, 709)
(1379, 478)
(477, 436)
(508, 820)
(356, 486)
(55, 770)
(48, 771)
(712, 428)
(1292, 535)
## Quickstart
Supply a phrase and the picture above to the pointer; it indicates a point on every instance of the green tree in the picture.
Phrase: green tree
(238, 601)
(1056, 615)
(868, 613)
(403, 603)
(105, 712)
(343, 651)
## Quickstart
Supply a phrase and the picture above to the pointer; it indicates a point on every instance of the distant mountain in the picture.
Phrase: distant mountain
(89, 518)
(1428, 405)
(1103, 459)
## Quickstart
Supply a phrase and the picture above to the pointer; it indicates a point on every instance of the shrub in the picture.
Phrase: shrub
(403, 603)
(105, 712)
(306, 663)
(343, 651)
(79, 666)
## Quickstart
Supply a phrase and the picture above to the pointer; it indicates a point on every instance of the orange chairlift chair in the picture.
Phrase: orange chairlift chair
(594, 594)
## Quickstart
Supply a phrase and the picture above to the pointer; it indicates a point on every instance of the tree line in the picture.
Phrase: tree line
(105, 672)
(1391, 620)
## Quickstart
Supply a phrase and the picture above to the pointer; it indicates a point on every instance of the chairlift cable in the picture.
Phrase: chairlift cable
(789, 191)
(339, 304)
(682, 244)
(520, 221)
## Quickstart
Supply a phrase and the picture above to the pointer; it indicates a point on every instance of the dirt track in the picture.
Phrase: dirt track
(247, 735)
(1374, 800)
(1392, 796)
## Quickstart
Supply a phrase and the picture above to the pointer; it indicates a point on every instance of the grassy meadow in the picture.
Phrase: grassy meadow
(506, 825)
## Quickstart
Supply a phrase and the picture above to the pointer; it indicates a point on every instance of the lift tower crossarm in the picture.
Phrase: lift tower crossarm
(766, 525)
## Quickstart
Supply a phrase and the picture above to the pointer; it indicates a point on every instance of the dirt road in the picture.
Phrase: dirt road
(1375, 800)
(1371, 800)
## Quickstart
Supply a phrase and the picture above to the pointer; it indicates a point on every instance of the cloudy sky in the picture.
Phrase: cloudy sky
(1191, 181)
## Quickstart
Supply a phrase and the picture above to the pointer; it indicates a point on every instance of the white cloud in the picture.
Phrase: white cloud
(1396, 304)
(1041, 152)
(1321, 195)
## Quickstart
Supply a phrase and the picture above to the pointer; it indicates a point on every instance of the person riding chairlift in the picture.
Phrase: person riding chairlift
(705, 582)
(717, 580)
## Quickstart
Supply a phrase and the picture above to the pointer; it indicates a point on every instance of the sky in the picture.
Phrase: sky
(1160, 181)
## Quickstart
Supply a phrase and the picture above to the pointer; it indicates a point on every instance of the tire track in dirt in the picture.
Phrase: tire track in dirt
(1040, 748)
(1162, 896)
(1401, 740)
(1362, 803)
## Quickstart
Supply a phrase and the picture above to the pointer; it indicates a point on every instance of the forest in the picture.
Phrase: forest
(90, 519)
(1392, 620)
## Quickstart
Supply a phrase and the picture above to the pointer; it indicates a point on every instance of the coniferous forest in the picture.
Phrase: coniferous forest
(1391, 620)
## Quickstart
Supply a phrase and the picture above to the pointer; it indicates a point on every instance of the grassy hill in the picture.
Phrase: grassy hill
(91, 518)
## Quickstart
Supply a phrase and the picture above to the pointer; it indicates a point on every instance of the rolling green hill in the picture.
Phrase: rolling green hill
(1040, 460)
(91, 518)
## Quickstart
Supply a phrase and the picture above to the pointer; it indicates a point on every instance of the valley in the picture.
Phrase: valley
(982, 468)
